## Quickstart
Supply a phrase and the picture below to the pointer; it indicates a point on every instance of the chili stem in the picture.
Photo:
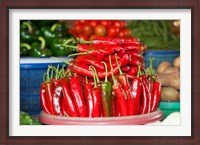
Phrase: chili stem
(30, 29)
(139, 71)
(43, 42)
(95, 83)
(115, 82)
(106, 68)
(26, 45)
(67, 62)
(86, 79)
(55, 26)
(84, 41)
(44, 75)
(120, 71)
(95, 72)
(75, 54)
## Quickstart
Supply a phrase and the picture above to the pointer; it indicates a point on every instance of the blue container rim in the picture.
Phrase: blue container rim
(161, 52)
(38, 65)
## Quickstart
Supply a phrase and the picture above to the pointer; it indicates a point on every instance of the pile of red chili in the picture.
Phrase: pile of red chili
(106, 79)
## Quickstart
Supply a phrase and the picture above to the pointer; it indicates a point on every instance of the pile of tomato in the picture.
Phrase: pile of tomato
(90, 29)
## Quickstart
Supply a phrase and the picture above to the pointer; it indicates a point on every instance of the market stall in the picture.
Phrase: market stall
(99, 71)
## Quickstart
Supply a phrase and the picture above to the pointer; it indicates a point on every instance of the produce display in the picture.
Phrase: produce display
(157, 34)
(26, 119)
(90, 29)
(169, 77)
(45, 38)
(105, 79)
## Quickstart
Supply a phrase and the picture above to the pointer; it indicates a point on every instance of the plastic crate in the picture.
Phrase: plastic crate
(169, 107)
(160, 56)
(31, 77)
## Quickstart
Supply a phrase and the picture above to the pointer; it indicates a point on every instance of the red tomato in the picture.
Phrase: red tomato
(112, 31)
(127, 32)
(82, 36)
(121, 33)
(117, 24)
(106, 23)
(93, 23)
(87, 30)
(81, 22)
(100, 30)
(78, 28)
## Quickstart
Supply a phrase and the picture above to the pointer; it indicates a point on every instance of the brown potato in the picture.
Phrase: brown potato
(170, 80)
(169, 94)
(171, 69)
(163, 66)
(176, 62)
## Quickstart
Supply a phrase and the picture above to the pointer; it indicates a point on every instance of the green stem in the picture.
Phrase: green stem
(86, 80)
(44, 75)
(106, 68)
(81, 53)
(26, 45)
(120, 71)
(43, 42)
(69, 46)
(30, 29)
(139, 71)
(93, 73)
(48, 72)
(113, 78)
(151, 66)
(52, 69)
(68, 41)
(55, 26)
(67, 62)
(96, 75)
(83, 41)
(57, 72)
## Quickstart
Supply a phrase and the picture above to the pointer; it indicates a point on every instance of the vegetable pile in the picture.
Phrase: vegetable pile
(169, 77)
(157, 34)
(106, 79)
(90, 29)
(45, 38)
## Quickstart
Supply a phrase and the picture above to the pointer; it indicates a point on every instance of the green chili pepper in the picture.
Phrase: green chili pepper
(24, 49)
(106, 92)
(39, 50)
(59, 48)
(50, 33)
(28, 32)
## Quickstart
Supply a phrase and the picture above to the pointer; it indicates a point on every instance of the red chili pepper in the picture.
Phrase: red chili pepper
(90, 60)
(145, 97)
(89, 98)
(96, 97)
(83, 69)
(134, 61)
(126, 68)
(136, 89)
(113, 104)
(78, 97)
(43, 100)
(63, 107)
(156, 96)
(67, 98)
(113, 41)
(120, 95)
(49, 95)
(132, 72)
(123, 79)
(57, 95)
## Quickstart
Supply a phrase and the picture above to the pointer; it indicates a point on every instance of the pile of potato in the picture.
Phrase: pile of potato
(169, 77)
